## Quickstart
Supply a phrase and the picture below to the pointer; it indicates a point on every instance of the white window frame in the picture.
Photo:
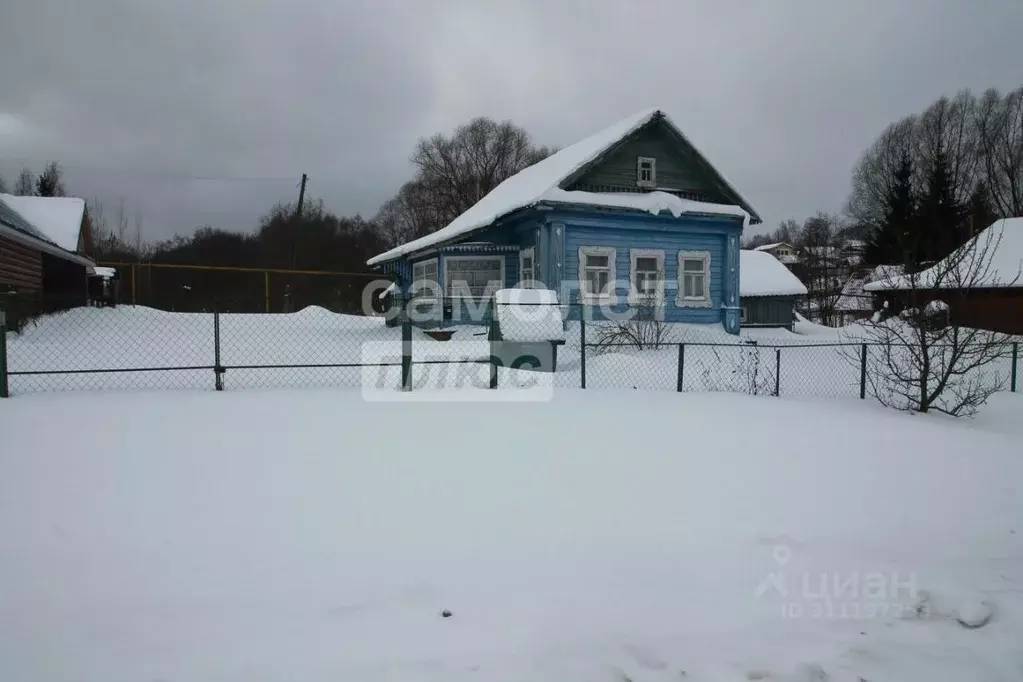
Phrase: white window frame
(529, 253)
(683, 301)
(455, 259)
(635, 298)
(640, 182)
(426, 292)
(608, 296)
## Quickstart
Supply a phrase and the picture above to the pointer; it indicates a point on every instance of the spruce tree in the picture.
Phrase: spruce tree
(941, 216)
(888, 242)
(980, 213)
(49, 183)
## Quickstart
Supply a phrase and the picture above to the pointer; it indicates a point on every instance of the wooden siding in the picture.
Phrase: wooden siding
(684, 234)
(677, 168)
(999, 310)
(768, 311)
(21, 267)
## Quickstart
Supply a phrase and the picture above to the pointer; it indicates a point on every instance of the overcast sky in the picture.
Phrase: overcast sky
(144, 102)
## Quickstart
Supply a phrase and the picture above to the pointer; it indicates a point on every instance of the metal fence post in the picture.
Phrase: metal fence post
(493, 371)
(218, 371)
(777, 372)
(4, 387)
(266, 291)
(681, 364)
(863, 372)
(1015, 365)
(406, 346)
(582, 344)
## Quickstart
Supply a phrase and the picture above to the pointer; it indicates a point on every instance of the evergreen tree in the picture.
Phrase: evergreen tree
(894, 239)
(49, 182)
(980, 212)
(941, 216)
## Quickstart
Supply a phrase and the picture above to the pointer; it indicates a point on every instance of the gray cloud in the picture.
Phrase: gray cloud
(138, 99)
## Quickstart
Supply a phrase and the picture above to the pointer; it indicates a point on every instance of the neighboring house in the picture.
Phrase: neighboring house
(852, 251)
(981, 282)
(768, 290)
(783, 251)
(43, 242)
(632, 213)
(856, 304)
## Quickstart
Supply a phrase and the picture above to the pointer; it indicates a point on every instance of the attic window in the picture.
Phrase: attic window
(646, 171)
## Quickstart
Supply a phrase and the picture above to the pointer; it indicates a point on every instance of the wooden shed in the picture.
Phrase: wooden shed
(43, 242)
(768, 291)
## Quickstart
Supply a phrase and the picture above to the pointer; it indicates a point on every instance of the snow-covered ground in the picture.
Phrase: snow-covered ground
(137, 337)
(602, 536)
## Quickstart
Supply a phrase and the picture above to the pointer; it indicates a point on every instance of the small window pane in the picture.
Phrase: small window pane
(692, 265)
(596, 261)
(646, 264)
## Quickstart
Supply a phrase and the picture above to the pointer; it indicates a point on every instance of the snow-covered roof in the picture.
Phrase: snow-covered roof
(761, 274)
(771, 247)
(58, 219)
(105, 273)
(991, 259)
(854, 298)
(542, 181)
(18, 228)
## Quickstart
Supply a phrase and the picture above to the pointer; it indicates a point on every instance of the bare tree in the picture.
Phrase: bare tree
(3, 185)
(947, 134)
(999, 121)
(25, 186)
(821, 267)
(116, 238)
(919, 356)
(460, 170)
(645, 327)
(410, 214)
(877, 172)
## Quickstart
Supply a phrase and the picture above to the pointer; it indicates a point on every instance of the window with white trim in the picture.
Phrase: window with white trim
(646, 171)
(526, 265)
(647, 275)
(474, 276)
(693, 278)
(597, 273)
(424, 278)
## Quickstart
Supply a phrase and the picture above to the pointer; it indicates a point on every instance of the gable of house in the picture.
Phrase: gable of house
(674, 165)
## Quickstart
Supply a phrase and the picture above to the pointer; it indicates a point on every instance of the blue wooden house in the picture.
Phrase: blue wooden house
(630, 215)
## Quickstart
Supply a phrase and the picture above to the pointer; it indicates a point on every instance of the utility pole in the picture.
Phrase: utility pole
(301, 195)
(298, 215)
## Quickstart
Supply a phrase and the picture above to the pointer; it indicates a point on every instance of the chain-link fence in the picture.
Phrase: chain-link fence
(65, 346)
